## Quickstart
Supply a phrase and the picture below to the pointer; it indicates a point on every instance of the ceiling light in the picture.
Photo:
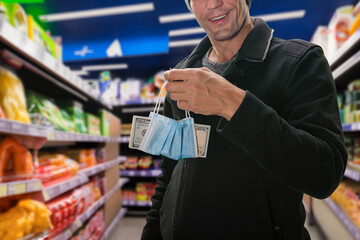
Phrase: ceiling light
(184, 43)
(282, 16)
(99, 12)
(186, 31)
(105, 67)
(176, 17)
(267, 17)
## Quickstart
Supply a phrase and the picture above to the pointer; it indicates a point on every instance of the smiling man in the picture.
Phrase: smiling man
(275, 133)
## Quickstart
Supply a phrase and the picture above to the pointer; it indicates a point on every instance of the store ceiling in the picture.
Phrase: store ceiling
(141, 41)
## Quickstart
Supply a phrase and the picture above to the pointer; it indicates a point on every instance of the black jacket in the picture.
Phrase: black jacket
(284, 140)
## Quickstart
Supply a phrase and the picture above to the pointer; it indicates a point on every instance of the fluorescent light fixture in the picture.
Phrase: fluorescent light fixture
(176, 17)
(267, 17)
(186, 31)
(105, 67)
(80, 72)
(282, 16)
(99, 12)
(184, 43)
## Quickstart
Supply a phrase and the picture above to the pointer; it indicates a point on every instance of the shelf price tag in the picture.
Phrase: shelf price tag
(78, 223)
(2, 124)
(18, 188)
(16, 126)
(34, 186)
(51, 135)
(46, 196)
(3, 190)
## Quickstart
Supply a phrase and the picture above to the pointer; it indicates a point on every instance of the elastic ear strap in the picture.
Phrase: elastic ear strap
(158, 101)
(187, 114)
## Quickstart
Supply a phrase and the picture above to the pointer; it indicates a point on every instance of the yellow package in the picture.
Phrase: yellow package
(12, 97)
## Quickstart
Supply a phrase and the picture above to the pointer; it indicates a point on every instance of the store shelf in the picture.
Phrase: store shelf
(114, 223)
(352, 174)
(140, 173)
(123, 181)
(39, 58)
(347, 71)
(351, 127)
(78, 137)
(100, 167)
(20, 187)
(141, 101)
(346, 50)
(124, 139)
(80, 220)
(19, 128)
(348, 223)
(62, 187)
(133, 203)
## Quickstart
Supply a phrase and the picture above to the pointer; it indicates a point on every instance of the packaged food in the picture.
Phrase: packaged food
(339, 27)
(84, 157)
(4, 11)
(12, 96)
(76, 113)
(132, 163)
(145, 162)
(104, 122)
(15, 159)
(92, 124)
(17, 17)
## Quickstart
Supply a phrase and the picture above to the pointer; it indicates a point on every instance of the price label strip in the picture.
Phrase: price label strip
(3, 190)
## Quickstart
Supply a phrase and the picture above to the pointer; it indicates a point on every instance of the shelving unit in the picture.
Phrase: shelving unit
(30, 59)
(80, 220)
(140, 173)
(134, 203)
(43, 63)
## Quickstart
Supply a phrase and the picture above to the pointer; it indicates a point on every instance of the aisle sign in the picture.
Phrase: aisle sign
(3, 190)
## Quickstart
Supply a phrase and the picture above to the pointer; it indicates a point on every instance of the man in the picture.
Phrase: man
(275, 133)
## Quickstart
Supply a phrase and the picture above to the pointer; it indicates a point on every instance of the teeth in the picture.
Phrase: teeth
(218, 18)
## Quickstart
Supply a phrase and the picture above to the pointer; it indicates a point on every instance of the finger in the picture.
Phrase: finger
(180, 74)
(176, 87)
(179, 96)
(183, 105)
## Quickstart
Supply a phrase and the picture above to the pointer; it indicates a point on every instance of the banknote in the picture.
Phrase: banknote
(140, 125)
(202, 138)
(138, 130)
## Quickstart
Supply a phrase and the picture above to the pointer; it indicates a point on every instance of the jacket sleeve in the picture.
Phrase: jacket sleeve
(151, 230)
(302, 145)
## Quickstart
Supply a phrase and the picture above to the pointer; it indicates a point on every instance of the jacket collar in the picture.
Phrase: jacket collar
(254, 48)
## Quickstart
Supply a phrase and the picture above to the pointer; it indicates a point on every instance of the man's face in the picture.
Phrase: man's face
(221, 19)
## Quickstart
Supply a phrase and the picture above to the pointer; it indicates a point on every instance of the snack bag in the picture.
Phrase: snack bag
(12, 96)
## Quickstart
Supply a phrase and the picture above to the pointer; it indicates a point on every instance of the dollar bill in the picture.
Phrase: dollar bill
(202, 138)
(138, 130)
(140, 125)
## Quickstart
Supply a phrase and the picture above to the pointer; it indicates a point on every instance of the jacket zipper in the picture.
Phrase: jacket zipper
(178, 202)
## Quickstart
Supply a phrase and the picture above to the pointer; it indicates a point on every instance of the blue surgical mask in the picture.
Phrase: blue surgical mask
(189, 143)
(168, 137)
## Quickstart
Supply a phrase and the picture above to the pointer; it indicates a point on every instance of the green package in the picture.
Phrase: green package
(104, 122)
(92, 124)
(76, 113)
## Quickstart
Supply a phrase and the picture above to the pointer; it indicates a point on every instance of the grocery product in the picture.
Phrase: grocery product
(92, 124)
(145, 162)
(3, 11)
(28, 216)
(15, 159)
(104, 122)
(85, 157)
(17, 17)
(68, 121)
(339, 27)
(76, 113)
(356, 24)
(100, 155)
(40, 104)
(320, 38)
(12, 96)
(41, 37)
(132, 163)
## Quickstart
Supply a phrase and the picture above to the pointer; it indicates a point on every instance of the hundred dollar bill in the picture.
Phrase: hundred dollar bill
(138, 130)
(202, 137)
(140, 125)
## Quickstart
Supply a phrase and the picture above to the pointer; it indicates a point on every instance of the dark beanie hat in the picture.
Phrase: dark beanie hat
(248, 2)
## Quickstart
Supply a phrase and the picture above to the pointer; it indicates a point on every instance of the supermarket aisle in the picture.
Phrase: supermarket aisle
(130, 228)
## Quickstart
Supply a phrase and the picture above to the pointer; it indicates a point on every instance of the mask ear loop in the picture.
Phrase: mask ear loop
(187, 114)
(158, 101)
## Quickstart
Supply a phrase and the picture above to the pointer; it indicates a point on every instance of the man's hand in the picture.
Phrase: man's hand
(202, 91)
